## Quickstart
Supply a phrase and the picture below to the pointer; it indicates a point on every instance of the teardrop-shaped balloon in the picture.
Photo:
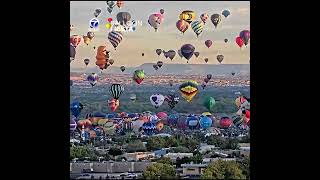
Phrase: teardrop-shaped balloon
(75, 40)
(93, 79)
(225, 13)
(197, 27)
(196, 54)
(115, 38)
(204, 17)
(208, 43)
(220, 58)
(155, 66)
(86, 61)
(171, 54)
(122, 68)
(182, 25)
(187, 51)
(215, 19)
(158, 51)
(245, 36)
(160, 63)
(209, 76)
(161, 11)
(239, 41)
(111, 61)
(225, 40)
(206, 60)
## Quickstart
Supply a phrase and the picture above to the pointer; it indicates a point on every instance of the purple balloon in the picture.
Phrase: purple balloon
(187, 51)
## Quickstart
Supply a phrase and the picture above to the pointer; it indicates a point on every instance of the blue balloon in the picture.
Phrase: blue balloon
(149, 128)
(187, 51)
(192, 121)
(173, 119)
(205, 122)
(76, 108)
(225, 13)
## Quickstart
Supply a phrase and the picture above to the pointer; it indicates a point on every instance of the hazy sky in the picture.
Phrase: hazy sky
(146, 40)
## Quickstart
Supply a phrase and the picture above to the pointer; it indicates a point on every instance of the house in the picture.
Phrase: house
(210, 160)
(160, 153)
(174, 156)
(205, 147)
(193, 169)
(136, 156)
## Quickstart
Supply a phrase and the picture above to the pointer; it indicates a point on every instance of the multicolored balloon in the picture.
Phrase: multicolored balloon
(75, 40)
(245, 36)
(138, 76)
(123, 18)
(182, 25)
(188, 16)
(189, 89)
(204, 17)
(114, 104)
(122, 68)
(155, 20)
(197, 27)
(76, 108)
(120, 4)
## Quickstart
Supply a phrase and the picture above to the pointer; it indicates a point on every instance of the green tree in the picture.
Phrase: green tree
(165, 160)
(181, 149)
(223, 170)
(81, 152)
(218, 141)
(245, 139)
(231, 144)
(136, 146)
(197, 158)
(159, 171)
(155, 143)
(245, 166)
(115, 151)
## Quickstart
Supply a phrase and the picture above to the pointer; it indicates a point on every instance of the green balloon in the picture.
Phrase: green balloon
(209, 103)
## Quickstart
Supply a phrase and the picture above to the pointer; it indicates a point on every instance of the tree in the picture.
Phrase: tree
(165, 160)
(231, 144)
(245, 166)
(155, 143)
(115, 151)
(136, 146)
(218, 141)
(159, 171)
(181, 149)
(81, 152)
(197, 158)
(223, 170)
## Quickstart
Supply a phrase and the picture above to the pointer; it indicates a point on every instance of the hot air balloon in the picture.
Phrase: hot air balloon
(161, 11)
(158, 51)
(159, 63)
(205, 122)
(102, 57)
(76, 108)
(122, 68)
(192, 121)
(172, 100)
(93, 79)
(233, 73)
(220, 58)
(72, 53)
(225, 13)
(182, 25)
(120, 4)
(71, 27)
(179, 52)
(225, 40)
(206, 60)
(204, 17)
(239, 41)
(71, 82)
(162, 115)
(123, 18)
(90, 35)
(115, 38)
(196, 54)
(209, 102)
(155, 20)
(133, 97)
(97, 12)
(171, 82)
(206, 80)
(116, 90)
(84, 124)
(203, 85)
(114, 104)
(159, 125)
(138, 76)
(197, 27)
(110, 5)
(157, 100)
(225, 122)
(86, 61)
(182, 123)
(173, 119)
(73, 124)
(215, 19)
(208, 43)
(187, 51)
(75, 40)
(149, 128)
(189, 89)
(155, 67)
(86, 40)
(171, 54)
(245, 36)
(209, 76)
(142, 54)
(188, 16)
(111, 61)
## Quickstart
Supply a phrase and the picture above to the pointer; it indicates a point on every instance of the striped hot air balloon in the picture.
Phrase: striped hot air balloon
(75, 40)
(197, 27)
(116, 90)
(115, 38)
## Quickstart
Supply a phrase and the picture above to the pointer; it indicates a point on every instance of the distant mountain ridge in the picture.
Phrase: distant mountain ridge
(180, 69)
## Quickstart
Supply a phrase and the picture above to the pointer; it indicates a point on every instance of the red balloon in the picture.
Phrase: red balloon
(109, 19)
(239, 41)
(208, 43)
(225, 122)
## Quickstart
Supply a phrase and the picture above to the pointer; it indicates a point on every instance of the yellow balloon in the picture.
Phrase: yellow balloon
(108, 25)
